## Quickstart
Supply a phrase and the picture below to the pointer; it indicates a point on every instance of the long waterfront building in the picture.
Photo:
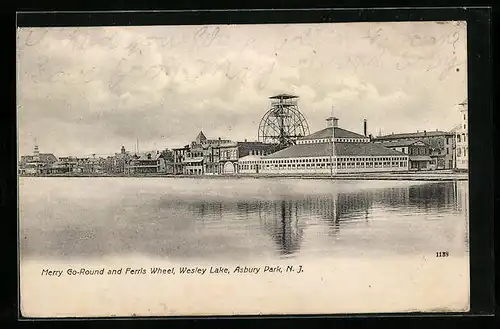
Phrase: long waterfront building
(332, 150)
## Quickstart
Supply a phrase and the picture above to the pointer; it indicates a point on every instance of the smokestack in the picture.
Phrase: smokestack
(364, 127)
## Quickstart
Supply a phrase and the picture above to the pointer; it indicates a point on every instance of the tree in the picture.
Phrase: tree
(168, 155)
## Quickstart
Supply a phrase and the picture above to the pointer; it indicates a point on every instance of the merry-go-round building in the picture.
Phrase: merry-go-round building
(314, 154)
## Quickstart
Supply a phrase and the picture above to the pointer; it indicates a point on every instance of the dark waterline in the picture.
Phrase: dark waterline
(239, 219)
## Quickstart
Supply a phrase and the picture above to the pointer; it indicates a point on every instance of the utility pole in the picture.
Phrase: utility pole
(332, 155)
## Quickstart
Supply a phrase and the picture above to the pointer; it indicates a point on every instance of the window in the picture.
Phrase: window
(459, 152)
(458, 138)
(447, 151)
(465, 151)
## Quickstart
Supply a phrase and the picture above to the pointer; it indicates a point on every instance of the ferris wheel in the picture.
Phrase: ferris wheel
(283, 123)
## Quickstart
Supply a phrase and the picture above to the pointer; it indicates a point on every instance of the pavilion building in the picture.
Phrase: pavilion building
(334, 150)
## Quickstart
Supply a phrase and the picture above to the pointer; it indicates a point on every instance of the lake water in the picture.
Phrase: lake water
(183, 219)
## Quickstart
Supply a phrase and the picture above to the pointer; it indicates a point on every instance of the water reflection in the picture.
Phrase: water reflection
(175, 226)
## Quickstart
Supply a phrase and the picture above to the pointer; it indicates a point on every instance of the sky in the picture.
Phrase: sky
(90, 90)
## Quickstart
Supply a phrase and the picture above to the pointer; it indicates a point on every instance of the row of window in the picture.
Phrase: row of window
(248, 167)
(343, 165)
(226, 154)
(257, 152)
(320, 160)
(329, 140)
(419, 151)
(459, 151)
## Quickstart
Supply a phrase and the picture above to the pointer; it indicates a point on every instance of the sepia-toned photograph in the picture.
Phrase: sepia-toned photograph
(253, 169)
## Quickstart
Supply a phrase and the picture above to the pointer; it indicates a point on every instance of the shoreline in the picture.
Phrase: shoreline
(420, 176)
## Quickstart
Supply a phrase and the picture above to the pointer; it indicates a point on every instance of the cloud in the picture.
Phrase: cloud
(95, 89)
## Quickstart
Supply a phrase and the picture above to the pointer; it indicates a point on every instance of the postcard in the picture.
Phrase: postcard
(246, 169)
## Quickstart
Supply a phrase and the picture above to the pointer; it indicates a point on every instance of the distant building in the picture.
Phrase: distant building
(65, 165)
(462, 138)
(59, 168)
(334, 150)
(441, 145)
(418, 151)
(215, 156)
(90, 165)
(249, 164)
(36, 164)
(180, 154)
(146, 163)
(108, 166)
(120, 161)
(230, 154)
(200, 157)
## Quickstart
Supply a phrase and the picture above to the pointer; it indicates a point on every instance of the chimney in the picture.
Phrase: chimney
(364, 127)
(245, 140)
(425, 132)
(123, 149)
(332, 122)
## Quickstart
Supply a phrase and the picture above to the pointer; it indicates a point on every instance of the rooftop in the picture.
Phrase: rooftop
(283, 96)
(418, 134)
(325, 149)
(201, 137)
(250, 158)
(44, 157)
(327, 133)
(145, 155)
(406, 142)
